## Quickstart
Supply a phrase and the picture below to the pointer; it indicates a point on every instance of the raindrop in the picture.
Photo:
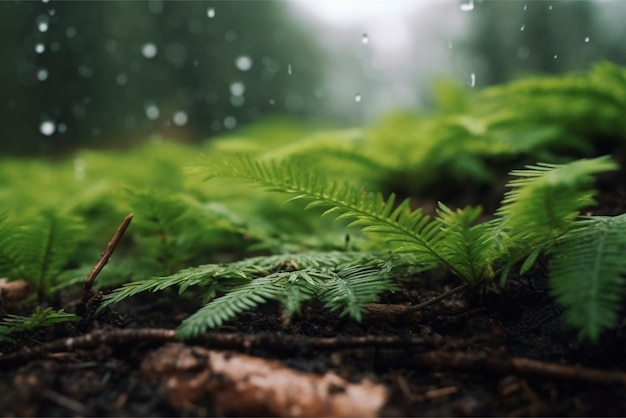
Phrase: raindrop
(357, 98)
(42, 74)
(550, 7)
(522, 28)
(555, 56)
(587, 39)
(121, 79)
(45, 1)
(289, 69)
(180, 118)
(70, 32)
(243, 63)
(211, 12)
(365, 39)
(449, 44)
(473, 80)
(149, 50)
(237, 88)
(467, 5)
(40, 48)
(525, 7)
(230, 122)
(42, 23)
(79, 168)
(47, 127)
(152, 111)
(272, 102)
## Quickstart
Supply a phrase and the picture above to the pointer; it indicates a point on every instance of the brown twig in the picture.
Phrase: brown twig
(436, 299)
(106, 255)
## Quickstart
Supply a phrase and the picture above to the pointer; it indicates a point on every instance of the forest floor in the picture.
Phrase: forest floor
(500, 351)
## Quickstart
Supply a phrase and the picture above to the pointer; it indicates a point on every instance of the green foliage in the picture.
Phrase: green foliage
(588, 272)
(38, 248)
(42, 318)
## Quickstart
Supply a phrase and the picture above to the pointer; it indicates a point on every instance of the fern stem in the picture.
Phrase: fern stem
(433, 301)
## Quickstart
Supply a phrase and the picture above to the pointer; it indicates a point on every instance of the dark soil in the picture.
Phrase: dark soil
(469, 355)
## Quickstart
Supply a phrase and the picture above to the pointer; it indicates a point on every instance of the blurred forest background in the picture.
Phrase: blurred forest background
(111, 73)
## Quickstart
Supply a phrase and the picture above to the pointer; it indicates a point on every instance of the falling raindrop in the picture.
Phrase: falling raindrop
(40, 48)
(550, 7)
(467, 5)
(180, 118)
(230, 122)
(149, 50)
(289, 69)
(555, 56)
(243, 63)
(357, 98)
(210, 12)
(237, 88)
(525, 7)
(365, 39)
(47, 127)
(152, 111)
(42, 23)
(587, 39)
(522, 28)
(473, 80)
(79, 168)
(272, 102)
(42, 74)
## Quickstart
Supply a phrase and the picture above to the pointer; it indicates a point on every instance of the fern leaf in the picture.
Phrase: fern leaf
(467, 247)
(409, 231)
(587, 273)
(43, 246)
(545, 199)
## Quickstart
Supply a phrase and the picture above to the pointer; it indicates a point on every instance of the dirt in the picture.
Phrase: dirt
(496, 351)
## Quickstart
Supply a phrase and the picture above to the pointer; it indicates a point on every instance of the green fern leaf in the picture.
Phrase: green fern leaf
(587, 273)
(42, 247)
(408, 230)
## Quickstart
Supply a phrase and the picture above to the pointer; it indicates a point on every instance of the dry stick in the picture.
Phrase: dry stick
(432, 301)
(104, 258)
(436, 359)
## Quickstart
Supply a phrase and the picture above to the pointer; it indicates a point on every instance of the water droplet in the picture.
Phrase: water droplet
(45, 1)
(121, 79)
(42, 74)
(152, 111)
(473, 80)
(79, 168)
(42, 23)
(289, 69)
(237, 88)
(550, 7)
(70, 32)
(230, 122)
(180, 118)
(555, 56)
(522, 28)
(272, 102)
(47, 127)
(40, 48)
(365, 39)
(357, 98)
(449, 44)
(467, 5)
(149, 50)
(243, 63)
(587, 39)
(210, 12)
(525, 7)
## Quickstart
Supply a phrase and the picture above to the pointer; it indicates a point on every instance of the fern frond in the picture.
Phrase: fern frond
(588, 271)
(350, 289)
(546, 198)
(43, 318)
(467, 246)
(223, 275)
(408, 230)
(40, 248)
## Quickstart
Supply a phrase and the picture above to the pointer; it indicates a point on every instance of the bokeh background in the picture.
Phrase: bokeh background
(98, 74)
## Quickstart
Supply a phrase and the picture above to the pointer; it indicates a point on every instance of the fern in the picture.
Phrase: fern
(43, 318)
(588, 271)
(38, 248)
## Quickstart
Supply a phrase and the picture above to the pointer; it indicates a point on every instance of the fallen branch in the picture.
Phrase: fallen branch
(242, 385)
